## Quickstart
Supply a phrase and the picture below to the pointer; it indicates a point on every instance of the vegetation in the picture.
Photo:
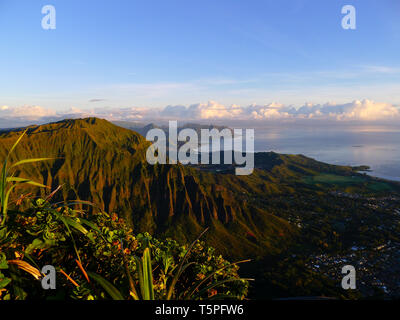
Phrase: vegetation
(291, 209)
(97, 256)
(8, 181)
(347, 182)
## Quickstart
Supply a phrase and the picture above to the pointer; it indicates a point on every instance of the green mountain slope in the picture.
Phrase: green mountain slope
(105, 164)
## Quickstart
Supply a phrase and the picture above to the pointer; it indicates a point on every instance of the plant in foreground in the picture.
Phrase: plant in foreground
(8, 182)
(146, 284)
(97, 256)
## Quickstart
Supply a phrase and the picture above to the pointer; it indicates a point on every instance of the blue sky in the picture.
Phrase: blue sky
(125, 53)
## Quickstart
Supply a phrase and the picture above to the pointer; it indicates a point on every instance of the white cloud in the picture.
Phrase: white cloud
(26, 112)
(365, 110)
(369, 111)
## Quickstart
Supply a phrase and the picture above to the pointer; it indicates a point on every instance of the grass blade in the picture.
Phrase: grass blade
(30, 161)
(107, 286)
(16, 143)
(24, 180)
(179, 272)
(76, 225)
(148, 274)
(83, 270)
(69, 278)
(23, 265)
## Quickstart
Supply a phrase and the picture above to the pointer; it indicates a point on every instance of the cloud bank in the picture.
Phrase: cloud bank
(365, 110)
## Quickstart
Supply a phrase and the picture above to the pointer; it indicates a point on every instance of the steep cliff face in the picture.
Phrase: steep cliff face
(97, 161)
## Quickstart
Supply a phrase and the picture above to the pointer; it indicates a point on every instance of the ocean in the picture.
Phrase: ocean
(375, 146)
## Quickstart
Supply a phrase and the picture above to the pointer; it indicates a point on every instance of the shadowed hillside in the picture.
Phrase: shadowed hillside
(105, 164)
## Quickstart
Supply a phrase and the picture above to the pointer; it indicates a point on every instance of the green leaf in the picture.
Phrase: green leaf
(24, 180)
(30, 161)
(4, 233)
(90, 225)
(5, 204)
(107, 286)
(3, 261)
(36, 244)
(76, 225)
(4, 282)
(147, 275)
(17, 142)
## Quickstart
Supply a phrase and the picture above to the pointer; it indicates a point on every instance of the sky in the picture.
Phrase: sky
(253, 59)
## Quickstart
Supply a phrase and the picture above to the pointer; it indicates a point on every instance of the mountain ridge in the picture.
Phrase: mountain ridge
(103, 163)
